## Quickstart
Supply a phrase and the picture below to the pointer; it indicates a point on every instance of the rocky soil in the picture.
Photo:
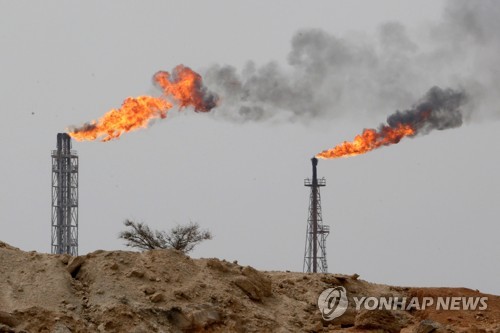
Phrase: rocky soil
(167, 291)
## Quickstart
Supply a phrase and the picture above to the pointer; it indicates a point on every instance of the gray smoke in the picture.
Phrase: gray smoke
(330, 75)
(438, 110)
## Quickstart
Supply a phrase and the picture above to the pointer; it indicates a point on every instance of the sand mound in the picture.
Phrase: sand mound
(167, 291)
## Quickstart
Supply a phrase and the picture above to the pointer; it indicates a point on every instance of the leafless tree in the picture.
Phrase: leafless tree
(181, 237)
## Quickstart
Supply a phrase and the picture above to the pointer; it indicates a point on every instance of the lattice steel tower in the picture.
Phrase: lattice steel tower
(64, 197)
(316, 232)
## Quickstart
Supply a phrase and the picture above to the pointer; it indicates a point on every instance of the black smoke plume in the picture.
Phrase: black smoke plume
(438, 110)
(330, 76)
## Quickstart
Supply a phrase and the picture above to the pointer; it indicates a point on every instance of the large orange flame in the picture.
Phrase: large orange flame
(370, 139)
(134, 113)
(186, 88)
(183, 87)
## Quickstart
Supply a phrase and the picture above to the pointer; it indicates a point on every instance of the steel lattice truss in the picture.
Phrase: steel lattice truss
(64, 197)
(315, 249)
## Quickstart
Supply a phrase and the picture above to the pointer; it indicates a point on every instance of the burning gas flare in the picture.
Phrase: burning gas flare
(370, 139)
(439, 109)
(186, 88)
(183, 87)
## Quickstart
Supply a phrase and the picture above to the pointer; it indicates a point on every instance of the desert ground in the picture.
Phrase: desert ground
(167, 291)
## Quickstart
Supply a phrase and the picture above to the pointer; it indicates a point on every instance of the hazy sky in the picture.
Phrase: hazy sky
(420, 213)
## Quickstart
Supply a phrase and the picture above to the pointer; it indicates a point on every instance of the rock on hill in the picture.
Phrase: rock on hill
(167, 291)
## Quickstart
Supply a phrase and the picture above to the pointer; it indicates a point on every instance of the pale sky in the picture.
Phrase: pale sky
(420, 213)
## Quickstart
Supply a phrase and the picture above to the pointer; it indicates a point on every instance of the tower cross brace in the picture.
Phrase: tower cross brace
(315, 249)
(64, 198)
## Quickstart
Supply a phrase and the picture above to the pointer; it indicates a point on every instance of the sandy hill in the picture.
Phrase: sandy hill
(167, 291)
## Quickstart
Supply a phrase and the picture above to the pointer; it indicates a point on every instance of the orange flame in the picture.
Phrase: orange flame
(134, 113)
(370, 139)
(184, 87)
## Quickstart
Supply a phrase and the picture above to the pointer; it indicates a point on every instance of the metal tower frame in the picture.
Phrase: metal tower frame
(316, 231)
(64, 197)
